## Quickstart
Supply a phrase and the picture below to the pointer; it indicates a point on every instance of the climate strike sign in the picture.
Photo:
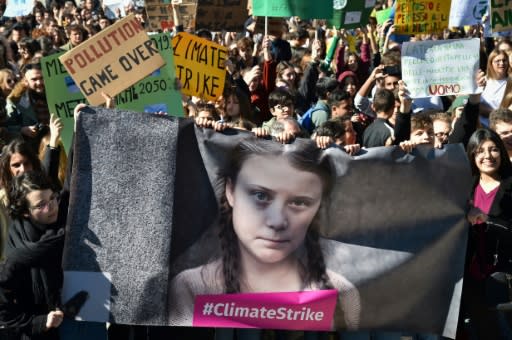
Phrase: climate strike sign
(112, 60)
(199, 66)
(440, 67)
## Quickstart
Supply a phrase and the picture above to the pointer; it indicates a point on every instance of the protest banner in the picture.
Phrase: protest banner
(351, 14)
(199, 66)
(320, 9)
(18, 8)
(376, 261)
(111, 7)
(501, 15)
(112, 60)
(440, 67)
(467, 12)
(159, 15)
(154, 93)
(425, 16)
(221, 15)
(383, 15)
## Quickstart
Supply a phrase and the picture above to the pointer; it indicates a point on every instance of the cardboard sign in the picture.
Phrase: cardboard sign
(418, 17)
(501, 15)
(199, 66)
(467, 12)
(157, 92)
(222, 15)
(440, 67)
(351, 14)
(383, 15)
(112, 60)
(319, 9)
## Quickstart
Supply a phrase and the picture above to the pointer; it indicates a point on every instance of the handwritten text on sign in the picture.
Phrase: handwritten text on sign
(199, 66)
(416, 17)
(501, 15)
(112, 60)
(440, 68)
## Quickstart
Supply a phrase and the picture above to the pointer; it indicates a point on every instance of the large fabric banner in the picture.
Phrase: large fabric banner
(171, 224)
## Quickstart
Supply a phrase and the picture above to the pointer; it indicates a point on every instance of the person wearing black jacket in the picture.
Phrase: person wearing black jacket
(31, 274)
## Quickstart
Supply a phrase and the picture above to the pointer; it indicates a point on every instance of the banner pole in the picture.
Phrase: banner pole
(266, 25)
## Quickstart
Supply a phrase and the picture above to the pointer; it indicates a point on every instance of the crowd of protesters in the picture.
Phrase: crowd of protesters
(340, 87)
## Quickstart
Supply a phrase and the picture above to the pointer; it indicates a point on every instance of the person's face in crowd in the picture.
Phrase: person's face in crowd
(289, 76)
(505, 47)
(17, 35)
(423, 136)
(500, 65)
(281, 111)
(352, 63)
(245, 53)
(442, 130)
(103, 23)
(273, 206)
(504, 130)
(342, 109)
(8, 83)
(350, 86)
(205, 114)
(75, 37)
(86, 14)
(19, 164)
(488, 158)
(349, 137)
(232, 106)
(43, 206)
(52, 27)
(24, 52)
(254, 83)
(39, 17)
(88, 5)
(391, 82)
(35, 81)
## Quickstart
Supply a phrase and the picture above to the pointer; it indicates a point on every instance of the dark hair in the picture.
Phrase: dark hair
(243, 100)
(203, 106)
(480, 136)
(383, 100)
(334, 128)
(24, 149)
(279, 96)
(22, 186)
(302, 154)
(337, 96)
(324, 86)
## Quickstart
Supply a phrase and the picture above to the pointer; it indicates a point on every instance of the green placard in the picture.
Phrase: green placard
(306, 9)
(351, 14)
(384, 15)
(156, 92)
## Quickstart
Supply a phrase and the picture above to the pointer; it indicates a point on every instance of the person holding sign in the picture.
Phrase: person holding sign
(268, 230)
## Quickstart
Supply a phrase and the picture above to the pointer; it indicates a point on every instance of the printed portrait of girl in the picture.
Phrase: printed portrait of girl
(268, 236)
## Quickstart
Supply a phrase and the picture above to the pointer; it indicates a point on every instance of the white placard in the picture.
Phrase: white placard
(352, 17)
(440, 67)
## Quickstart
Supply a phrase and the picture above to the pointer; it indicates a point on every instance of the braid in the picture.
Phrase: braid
(315, 270)
(229, 247)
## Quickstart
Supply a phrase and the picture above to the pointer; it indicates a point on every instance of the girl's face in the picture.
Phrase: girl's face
(289, 75)
(350, 86)
(352, 63)
(232, 107)
(19, 164)
(500, 65)
(350, 134)
(488, 158)
(43, 206)
(273, 206)
(8, 83)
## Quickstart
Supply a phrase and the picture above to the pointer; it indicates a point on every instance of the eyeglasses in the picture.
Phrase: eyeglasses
(54, 199)
(282, 106)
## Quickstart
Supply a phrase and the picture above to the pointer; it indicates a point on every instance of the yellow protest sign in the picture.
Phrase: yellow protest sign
(199, 65)
(417, 17)
(112, 60)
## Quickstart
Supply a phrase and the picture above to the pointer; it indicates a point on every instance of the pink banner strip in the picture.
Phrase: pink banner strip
(309, 310)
